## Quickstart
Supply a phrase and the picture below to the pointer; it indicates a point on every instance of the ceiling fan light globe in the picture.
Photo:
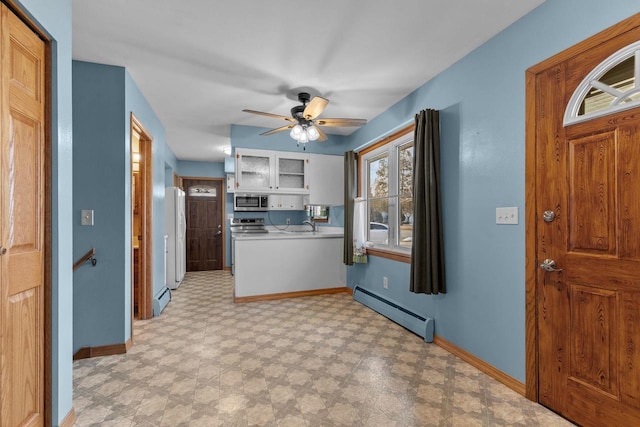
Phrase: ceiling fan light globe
(313, 133)
(304, 137)
(296, 131)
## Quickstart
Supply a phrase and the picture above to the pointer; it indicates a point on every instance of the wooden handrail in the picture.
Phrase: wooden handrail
(86, 257)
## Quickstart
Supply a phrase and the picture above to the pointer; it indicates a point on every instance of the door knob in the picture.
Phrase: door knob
(549, 265)
(549, 216)
(3, 250)
(218, 233)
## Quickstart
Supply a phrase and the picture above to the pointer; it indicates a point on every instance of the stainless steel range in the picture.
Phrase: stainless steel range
(244, 226)
(247, 225)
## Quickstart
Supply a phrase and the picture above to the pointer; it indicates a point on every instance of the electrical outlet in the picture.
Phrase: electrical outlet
(288, 221)
(385, 282)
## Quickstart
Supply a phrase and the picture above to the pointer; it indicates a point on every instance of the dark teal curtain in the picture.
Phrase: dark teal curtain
(427, 255)
(350, 190)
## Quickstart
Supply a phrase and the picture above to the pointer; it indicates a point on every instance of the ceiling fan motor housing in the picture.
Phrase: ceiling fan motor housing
(297, 111)
(304, 97)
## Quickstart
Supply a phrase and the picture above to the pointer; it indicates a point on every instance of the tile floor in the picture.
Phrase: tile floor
(315, 361)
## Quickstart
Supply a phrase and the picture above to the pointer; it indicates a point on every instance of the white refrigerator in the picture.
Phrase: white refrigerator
(176, 229)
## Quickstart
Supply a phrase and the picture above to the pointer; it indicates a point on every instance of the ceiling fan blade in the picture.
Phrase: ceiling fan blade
(275, 116)
(315, 108)
(340, 122)
(323, 136)
(280, 129)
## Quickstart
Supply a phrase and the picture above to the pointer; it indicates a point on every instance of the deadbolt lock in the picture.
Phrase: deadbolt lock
(548, 216)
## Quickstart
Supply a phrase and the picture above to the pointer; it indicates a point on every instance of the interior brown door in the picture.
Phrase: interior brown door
(588, 235)
(22, 228)
(204, 212)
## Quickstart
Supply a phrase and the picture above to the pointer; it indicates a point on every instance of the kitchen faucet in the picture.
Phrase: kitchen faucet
(312, 224)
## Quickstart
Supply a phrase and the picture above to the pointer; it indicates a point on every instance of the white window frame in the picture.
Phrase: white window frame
(619, 103)
(392, 150)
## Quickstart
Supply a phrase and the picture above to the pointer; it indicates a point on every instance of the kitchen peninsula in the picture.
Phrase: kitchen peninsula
(282, 264)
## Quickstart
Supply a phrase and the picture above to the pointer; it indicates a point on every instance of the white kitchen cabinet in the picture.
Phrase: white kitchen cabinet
(291, 172)
(254, 170)
(326, 180)
(265, 171)
(231, 183)
(286, 202)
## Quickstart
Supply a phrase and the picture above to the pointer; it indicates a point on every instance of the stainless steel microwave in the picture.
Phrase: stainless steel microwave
(251, 202)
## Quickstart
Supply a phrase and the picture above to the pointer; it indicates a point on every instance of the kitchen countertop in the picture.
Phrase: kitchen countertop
(293, 232)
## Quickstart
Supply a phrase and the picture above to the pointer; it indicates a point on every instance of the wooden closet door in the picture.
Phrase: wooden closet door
(22, 193)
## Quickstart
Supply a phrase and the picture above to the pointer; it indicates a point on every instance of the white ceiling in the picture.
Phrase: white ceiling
(200, 62)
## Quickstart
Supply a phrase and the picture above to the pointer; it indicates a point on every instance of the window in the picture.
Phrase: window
(610, 87)
(386, 182)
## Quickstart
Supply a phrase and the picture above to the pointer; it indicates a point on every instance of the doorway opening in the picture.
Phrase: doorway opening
(141, 222)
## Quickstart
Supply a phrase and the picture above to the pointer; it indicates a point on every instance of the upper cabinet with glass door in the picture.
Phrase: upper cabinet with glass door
(291, 175)
(265, 171)
(254, 170)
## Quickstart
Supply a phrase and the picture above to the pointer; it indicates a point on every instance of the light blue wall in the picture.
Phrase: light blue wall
(482, 100)
(162, 155)
(99, 181)
(104, 97)
(54, 18)
(188, 168)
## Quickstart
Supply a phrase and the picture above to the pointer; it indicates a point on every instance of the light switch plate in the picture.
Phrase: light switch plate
(86, 217)
(507, 215)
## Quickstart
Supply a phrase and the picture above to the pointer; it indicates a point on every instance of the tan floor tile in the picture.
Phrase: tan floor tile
(260, 415)
(345, 414)
(175, 415)
(205, 421)
(318, 361)
(292, 421)
(232, 403)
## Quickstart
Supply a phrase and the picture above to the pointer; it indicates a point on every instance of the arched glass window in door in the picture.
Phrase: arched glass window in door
(610, 87)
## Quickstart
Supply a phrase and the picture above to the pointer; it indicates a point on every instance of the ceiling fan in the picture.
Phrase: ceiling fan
(304, 124)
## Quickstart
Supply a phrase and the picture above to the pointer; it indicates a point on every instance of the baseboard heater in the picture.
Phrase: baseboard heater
(161, 301)
(417, 324)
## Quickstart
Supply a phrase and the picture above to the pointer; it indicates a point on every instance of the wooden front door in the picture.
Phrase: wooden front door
(204, 212)
(22, 226)
(587, 220)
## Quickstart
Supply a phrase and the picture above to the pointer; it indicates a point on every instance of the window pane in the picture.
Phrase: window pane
(378, 221)
(405, 170)
(621, 77)
(406, 221)
(379, 177)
